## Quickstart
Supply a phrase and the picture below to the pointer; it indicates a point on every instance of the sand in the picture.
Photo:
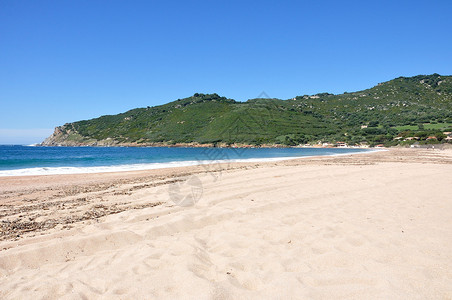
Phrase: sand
(368, 226)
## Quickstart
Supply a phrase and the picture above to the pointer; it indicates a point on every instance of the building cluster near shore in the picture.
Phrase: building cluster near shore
(447, 134)
(338, 145)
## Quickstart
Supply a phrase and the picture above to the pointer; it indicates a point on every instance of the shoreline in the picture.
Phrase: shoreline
(42, 171)
(55, 186)
(179, 145)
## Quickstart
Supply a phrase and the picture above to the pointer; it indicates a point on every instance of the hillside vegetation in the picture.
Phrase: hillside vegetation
(419, 106)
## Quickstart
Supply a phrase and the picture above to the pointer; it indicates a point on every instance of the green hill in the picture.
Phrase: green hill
(405, 106)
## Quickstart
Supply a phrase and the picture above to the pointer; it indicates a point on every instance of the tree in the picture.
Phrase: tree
(373, 123)
(422, 135)
(289, 142)
(440, 136)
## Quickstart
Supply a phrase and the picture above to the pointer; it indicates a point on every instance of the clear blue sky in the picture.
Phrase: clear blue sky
(63, 61)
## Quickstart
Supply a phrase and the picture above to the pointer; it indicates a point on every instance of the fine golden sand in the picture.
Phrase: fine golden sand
(366, 226)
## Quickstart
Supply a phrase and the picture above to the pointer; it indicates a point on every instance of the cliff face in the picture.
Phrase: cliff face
(57, 137)
(66, 135)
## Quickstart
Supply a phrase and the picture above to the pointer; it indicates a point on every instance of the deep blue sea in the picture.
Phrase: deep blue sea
(27, 160)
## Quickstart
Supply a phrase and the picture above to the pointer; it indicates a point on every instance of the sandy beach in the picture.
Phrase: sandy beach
(367, 226)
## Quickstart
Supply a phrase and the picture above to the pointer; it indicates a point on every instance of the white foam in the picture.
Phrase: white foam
(148, 166)
(121, 168)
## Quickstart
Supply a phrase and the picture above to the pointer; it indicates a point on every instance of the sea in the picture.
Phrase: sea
(19, 160)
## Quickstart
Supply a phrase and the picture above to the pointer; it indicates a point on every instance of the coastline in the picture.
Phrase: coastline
(39, 171)
(39, 188)
(325, 225)
(112, 143)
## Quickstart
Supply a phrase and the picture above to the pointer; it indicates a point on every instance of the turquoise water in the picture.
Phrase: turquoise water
(25, 160)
